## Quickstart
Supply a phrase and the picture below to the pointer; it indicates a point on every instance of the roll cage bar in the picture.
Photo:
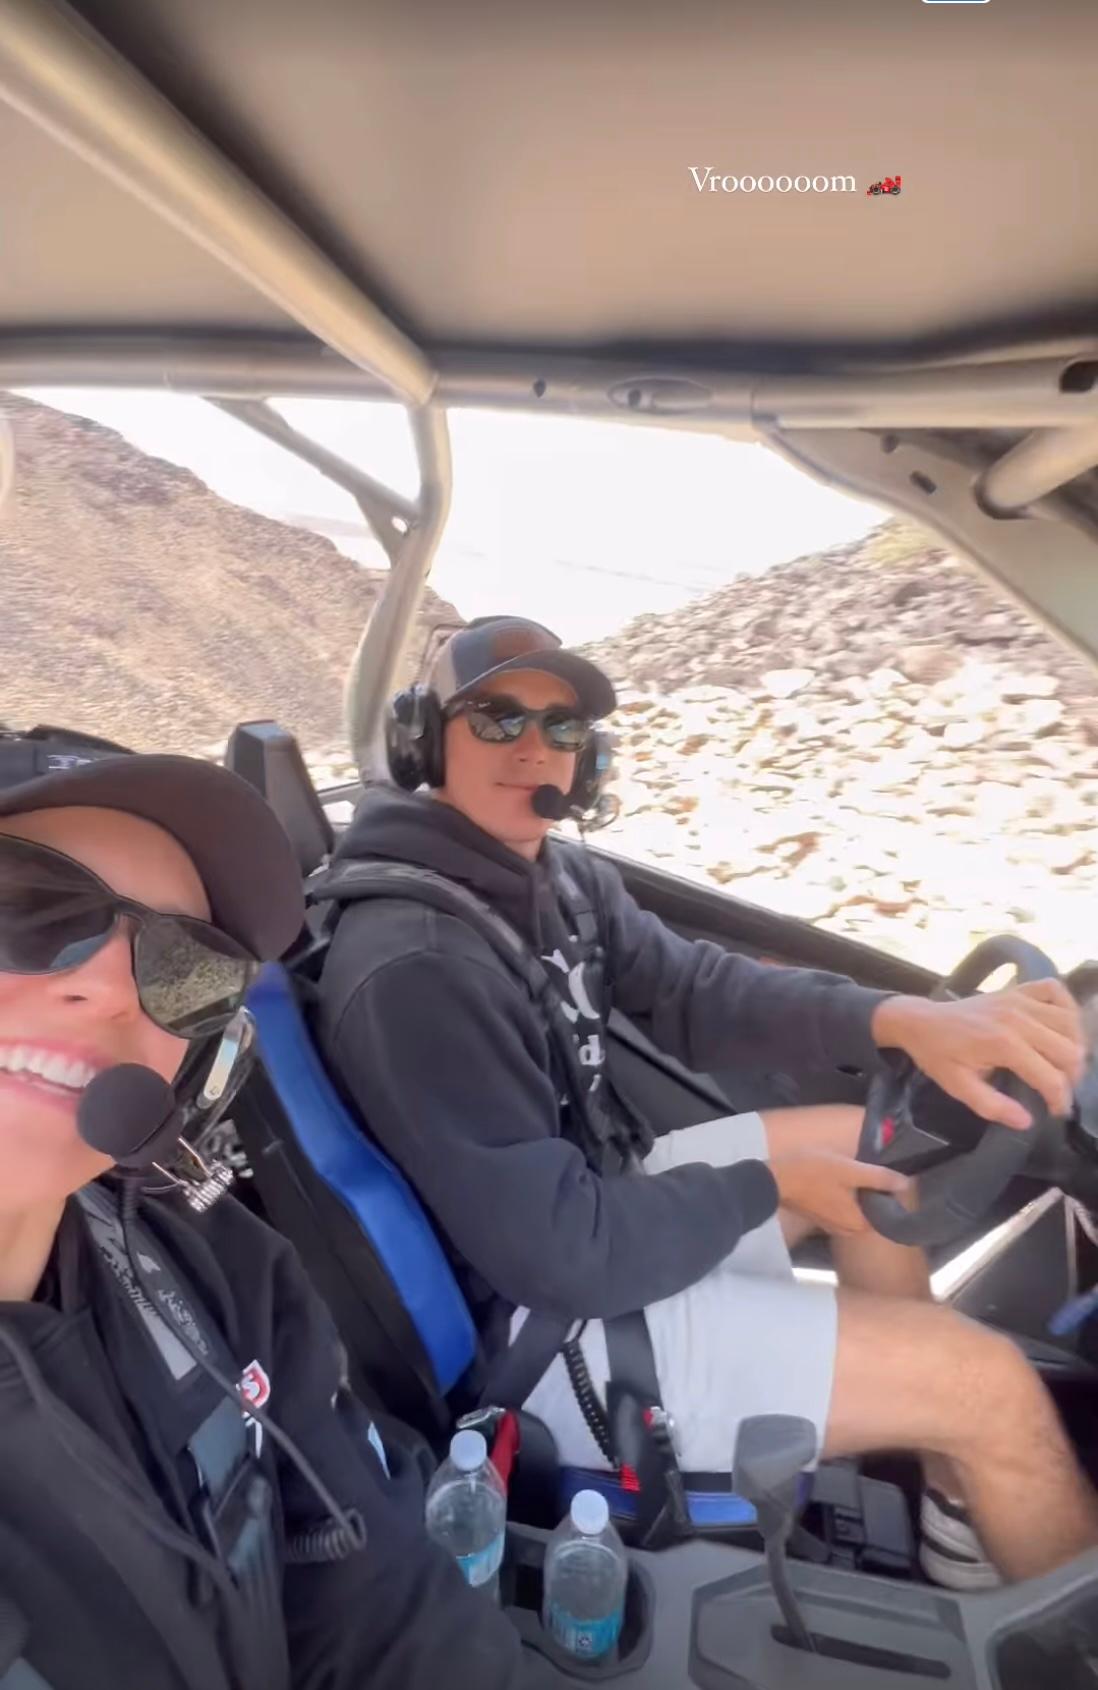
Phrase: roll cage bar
(58, 72)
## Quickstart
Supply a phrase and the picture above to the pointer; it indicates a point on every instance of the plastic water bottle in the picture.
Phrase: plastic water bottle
(467, 1511)
(585, 1575)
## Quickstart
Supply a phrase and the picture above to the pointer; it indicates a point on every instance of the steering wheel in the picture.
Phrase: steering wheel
(962, 1184)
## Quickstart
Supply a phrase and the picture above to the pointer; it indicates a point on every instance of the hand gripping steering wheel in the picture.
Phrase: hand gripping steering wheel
(962, 1184)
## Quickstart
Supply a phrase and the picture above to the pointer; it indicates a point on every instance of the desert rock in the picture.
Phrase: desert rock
(926, 777)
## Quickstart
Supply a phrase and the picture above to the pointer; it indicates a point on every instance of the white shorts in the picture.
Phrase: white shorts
(747, 1339)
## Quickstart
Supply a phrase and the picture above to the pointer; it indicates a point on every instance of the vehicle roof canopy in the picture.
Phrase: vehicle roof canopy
(498, 204)
(501, 176)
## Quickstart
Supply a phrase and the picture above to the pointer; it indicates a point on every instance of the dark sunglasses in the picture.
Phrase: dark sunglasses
(56, 914)
(502, 721)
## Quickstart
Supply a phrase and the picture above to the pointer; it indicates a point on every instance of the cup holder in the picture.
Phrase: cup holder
(521, 1596)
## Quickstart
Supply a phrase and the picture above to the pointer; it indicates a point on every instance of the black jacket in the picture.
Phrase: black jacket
(443, 1054)
(396, 1616)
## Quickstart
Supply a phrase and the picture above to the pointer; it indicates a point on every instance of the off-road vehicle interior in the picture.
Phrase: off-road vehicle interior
(562, 211)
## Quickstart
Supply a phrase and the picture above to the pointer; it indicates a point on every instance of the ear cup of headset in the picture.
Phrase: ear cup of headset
(414, 739)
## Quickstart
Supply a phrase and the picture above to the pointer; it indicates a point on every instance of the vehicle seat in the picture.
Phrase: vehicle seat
(365, 1181)
(388, 1258)
(366, 1241)
(269, 758)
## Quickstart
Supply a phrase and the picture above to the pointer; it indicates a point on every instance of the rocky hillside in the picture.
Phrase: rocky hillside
(136, 603)
(873, 740)
(869, 738)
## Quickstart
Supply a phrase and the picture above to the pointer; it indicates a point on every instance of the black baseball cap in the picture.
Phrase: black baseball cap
(233, 837)
(496, 645)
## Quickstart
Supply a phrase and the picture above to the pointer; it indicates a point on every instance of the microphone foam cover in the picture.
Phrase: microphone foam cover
(123, 1108)
(550, 803)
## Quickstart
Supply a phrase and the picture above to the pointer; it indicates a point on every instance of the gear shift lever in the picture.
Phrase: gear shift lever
(771, 1452)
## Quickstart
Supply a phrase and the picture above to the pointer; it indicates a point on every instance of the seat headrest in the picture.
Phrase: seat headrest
(269, 758)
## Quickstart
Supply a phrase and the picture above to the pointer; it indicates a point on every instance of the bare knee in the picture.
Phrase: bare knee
(917, 1376)
(825, 1126)
(1003, 1421)
(988, 1374)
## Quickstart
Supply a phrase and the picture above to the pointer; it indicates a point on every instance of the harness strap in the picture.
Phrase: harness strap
(579, 893)
(631, 1357)
(235, 1509)
(219, 1447)
(515, 1373)
(634, 1431)
(353, 881)
(579, 905)
(641, 1431)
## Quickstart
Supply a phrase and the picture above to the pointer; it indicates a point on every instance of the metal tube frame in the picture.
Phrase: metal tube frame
(388, 514)
(1036, 466)
(376, 664)
(1056, 398)
(59, 73)
(1018, 393)
(409, 532)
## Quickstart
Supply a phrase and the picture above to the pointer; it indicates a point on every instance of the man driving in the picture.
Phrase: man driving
(452, 1065)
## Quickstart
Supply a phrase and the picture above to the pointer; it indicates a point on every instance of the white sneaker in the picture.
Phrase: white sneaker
(950, 1553)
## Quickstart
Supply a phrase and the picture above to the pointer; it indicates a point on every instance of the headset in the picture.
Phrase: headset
(142, 1131)
(415, 746)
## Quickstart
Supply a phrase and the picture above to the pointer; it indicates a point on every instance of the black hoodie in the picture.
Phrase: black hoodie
(442, 1052)
(395, 1616)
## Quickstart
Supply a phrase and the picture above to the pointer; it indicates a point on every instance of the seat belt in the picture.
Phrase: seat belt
(644, 1426)
(236, 1499)
(642, 1432)
(584, 905)
(636, 1430)
(523, 1364)
(518, 1370)
(350, 882)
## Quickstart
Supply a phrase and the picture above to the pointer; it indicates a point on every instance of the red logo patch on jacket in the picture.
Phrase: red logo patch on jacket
(255, 1391)
(255, 1387)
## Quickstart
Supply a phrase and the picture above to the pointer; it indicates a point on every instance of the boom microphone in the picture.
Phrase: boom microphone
(125, 1111)
(551, 803)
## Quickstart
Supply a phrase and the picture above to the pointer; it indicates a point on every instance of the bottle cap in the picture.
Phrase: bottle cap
(468, 1451)
(590, 1513)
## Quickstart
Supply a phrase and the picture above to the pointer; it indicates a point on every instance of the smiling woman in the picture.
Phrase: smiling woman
(137, 895)
(129, 929)
(77, 1008)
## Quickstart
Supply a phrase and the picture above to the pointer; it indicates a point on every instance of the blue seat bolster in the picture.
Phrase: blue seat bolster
(363, 1178)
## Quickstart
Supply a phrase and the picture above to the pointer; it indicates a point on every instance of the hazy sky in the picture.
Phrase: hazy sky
(579, 524)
